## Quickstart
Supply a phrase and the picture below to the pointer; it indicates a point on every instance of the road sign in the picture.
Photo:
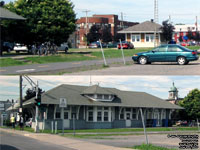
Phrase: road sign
(63, 102)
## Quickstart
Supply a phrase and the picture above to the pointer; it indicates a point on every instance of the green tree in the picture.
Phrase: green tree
(190, 35)
(180, 38)
(94, 34)
(106, 35)
(45, 21)
(191, 103)
(197, 36)
(167, 30)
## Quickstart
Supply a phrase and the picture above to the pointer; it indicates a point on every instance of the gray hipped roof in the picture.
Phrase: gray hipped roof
(73, 94)
(145, 27)
(6, 14)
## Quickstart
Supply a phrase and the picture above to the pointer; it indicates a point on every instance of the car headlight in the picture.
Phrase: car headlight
(135, 55)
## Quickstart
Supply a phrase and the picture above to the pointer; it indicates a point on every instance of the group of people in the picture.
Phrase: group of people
(20, 121)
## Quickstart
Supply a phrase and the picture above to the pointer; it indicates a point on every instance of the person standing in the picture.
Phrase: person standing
(21, 123)
(12, 120)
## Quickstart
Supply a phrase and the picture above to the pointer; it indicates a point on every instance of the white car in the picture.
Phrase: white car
(63, 47)
(20, 48)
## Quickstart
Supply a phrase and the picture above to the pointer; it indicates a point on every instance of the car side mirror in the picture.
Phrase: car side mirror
(153, 51)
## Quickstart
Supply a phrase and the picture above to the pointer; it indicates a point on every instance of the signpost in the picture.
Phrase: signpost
(122, 51)
(63, 104)
(105, 63)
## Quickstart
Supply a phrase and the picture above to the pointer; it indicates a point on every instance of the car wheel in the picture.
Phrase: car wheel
(181, 60)
(142, 60)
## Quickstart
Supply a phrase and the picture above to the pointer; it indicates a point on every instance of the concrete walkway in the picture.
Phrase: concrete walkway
(66, 142)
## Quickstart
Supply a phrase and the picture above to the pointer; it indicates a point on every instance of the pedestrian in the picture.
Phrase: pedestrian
(21, 123)
(12, 120)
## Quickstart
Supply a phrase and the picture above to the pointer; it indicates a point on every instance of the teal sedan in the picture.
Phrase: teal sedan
(167, 53)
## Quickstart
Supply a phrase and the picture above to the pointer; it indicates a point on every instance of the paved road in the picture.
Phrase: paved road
(12, 141)
(193, 68)
(22, 140)
(54, 66)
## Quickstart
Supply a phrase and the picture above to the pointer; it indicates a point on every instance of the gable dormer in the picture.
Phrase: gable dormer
(97, 93)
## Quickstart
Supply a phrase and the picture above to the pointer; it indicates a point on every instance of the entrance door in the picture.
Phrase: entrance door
(157, 117)
(128, 119)
(66, 120)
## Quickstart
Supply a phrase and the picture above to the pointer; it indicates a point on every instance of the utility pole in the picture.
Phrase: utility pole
(155, 21)
(20, 93)
(196, 23)
(122, 20)
(86, 23)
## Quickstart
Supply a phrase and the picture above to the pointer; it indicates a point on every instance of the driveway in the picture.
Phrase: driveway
(193, 68)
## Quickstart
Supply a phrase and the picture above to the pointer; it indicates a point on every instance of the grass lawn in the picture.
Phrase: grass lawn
(73, 55)
(151, 147)
(122, 130)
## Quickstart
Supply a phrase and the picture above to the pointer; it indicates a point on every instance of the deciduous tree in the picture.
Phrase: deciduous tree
(191, 103)
(46, 20)
(167, 30)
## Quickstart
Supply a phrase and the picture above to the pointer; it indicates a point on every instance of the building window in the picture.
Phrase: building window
(99, 96)
(136, 38)
(90, 113)
(66, 115)
(106, 96)
(105, 116)
(149, 37)
(134, 113)
(90, 116)
(99, 116)
(57, 115)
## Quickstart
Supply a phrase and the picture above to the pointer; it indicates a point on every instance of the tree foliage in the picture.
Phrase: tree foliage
(106, 34)
(45, 21)
(94, 34)
(191, 103)
(99, 32)
(30, 93)
(167, 30)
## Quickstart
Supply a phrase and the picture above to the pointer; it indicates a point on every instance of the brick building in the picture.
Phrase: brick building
(111, 21)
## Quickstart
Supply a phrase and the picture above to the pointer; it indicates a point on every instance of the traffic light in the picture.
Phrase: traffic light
(38, 98)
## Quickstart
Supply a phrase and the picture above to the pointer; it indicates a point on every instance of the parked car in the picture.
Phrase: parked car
(96, 45)
(185, 44)
(112, 45)
(63, 47)
(181, 123)
(20, 48)
(8, 47)
(198, 51)
(125, 45)
(28, 123)
(167, 53)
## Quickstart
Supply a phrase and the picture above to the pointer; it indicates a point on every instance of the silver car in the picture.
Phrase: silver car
(63, 47)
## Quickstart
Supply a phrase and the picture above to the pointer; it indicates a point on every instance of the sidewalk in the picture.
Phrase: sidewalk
(64, 141)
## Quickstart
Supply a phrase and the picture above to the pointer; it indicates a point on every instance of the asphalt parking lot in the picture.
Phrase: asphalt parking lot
(193, 68)
(133, 140)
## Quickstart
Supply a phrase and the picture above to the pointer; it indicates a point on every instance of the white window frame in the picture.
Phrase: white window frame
(135, 35)
(150, 39)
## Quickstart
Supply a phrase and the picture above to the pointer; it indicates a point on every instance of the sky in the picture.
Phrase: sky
(155, 85)
(181, 11)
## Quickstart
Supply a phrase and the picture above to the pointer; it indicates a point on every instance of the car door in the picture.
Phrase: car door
(173, 52)
(158, 54)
